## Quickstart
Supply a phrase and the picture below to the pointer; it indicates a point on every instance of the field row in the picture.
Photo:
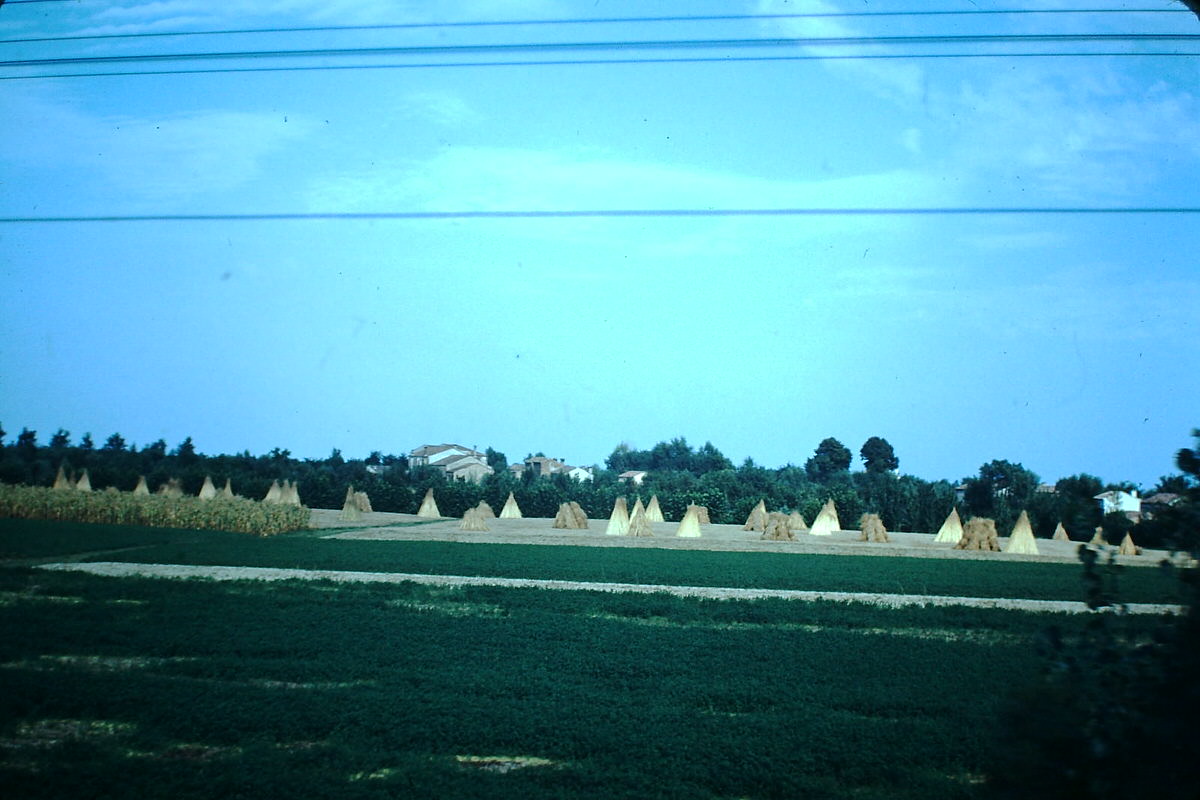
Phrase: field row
(893, 575)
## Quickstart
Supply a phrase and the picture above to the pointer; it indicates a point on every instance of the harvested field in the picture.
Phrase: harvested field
(383, 526)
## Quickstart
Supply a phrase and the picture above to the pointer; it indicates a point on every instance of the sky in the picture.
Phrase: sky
(1065, 342)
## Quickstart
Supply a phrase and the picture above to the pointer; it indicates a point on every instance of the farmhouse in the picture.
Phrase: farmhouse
(634, 476)
(543, 466)
(458, 462)
(1127, 503)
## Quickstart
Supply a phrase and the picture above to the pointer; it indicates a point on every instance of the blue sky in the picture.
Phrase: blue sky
(1065, 342)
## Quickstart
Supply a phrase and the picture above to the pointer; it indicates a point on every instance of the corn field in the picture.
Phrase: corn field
(125, 508)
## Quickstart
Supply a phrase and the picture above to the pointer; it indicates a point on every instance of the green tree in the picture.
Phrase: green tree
(61, 440)
(1000, 491)
(878, 455)
(496, 460)
(831, 457)
(114, 444)
(27, 444)
(186, 451)
(86, 444)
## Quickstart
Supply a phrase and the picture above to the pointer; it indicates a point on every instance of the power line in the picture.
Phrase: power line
(628, 45)
(589, 61)
(583, 21)
(606, 213)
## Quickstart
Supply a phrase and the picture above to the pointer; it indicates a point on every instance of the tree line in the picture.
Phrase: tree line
(676, 472)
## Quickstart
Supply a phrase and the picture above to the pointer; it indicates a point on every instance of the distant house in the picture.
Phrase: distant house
(1046, 488)
(634, 476)
(1157, 503)
(1117, 501)
(458, 462)
(544, 466)
(581, 473)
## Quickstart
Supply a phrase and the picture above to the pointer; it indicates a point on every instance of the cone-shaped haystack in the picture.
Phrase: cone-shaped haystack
(796, 523)
(638, 524)
(689, 526)
(141, 487)
(952, 530)
(1060, 534)
(979, 534)
(778, 527)
(570, 516)
(618, 521)
(1022, 540)
(637, 506)
(473, 520)
(227, 491)
(654, 511)
(207, 491)
(511, 510)
(60, 480)
(486, 510)
(872, 529)
(84, 484)
(289, 495)
(827, 521)
(172, 488)
(363, 502)
(1098, 539)
(757, 520)
(429, 508)
(701, 514)
(1128, 548)
(350, 512)
(577, 512)
(272, 493)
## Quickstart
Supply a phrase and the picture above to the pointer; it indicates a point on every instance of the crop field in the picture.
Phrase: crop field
(1048, 581)
(158, 688)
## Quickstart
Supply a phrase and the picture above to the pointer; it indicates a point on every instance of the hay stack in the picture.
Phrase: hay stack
(1060, 534)
(84, 484)
(350, 512)
(778, 527)
(654, 511)
(638, 524)
(1128, 548)
(141, 487)
(273, 493)
(227, 491)
(827, 521)
(701, 513)
(486, 510)
(570, 516)
(289, 495)
(757, 521)
(1098, 539)
(618, 521)
(429, 509)
(511, 510)
(796, 523)
(979, 534)
(363, 502)
(951, 531)
(1021, 540)
(172, 488)
(872, 529)
(61, 481)
(473, 520)
(689, 526)
(207, 491)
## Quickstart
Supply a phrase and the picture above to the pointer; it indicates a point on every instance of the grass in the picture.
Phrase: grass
(194, 689)
(182, 689)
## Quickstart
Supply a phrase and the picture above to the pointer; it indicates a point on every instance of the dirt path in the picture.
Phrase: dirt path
(177, 571)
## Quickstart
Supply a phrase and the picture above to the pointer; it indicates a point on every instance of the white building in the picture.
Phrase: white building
(1127, 503)
(458, 462)
(634, 476)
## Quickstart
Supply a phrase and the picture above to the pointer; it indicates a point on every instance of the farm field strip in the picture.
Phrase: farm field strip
(222, 573)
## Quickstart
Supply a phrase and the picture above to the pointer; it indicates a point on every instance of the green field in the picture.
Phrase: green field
(157, 688)
(954, 577)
